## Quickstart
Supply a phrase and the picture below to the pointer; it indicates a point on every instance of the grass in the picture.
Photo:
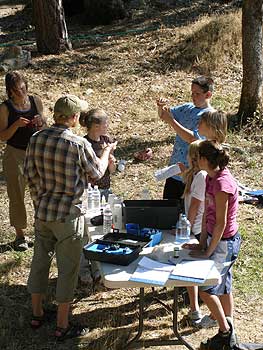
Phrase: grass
(124, 75)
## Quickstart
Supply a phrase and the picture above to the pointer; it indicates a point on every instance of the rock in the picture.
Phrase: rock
(14, 57)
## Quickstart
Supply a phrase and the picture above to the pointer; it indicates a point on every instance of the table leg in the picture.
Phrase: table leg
(140, 326)
(175, 320)
(179, 340)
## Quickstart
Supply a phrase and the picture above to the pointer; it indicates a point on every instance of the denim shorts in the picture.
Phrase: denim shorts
(224, 256)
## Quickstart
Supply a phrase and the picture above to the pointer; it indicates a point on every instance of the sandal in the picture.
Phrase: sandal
(72, 331)
(37, 321)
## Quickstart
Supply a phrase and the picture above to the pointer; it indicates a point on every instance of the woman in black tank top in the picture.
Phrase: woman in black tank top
(20, 117)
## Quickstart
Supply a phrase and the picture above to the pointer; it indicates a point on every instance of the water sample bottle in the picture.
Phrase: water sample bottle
(89, 192)
(121, 165)
(96, 199)
(103, 201)
(107, 219)
(85, 200)
(117, 216)
(183, 229)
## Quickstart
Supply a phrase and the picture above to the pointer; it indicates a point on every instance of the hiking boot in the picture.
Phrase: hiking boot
(195, 318)
(207, 322)
(20, 244)
(222, 340)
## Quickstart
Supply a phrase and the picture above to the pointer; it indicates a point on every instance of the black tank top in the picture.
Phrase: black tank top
(22, 135)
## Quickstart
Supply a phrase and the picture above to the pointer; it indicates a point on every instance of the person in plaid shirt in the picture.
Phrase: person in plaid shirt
(57, 166)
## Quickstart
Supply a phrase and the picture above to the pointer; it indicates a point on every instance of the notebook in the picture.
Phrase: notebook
(192, 270)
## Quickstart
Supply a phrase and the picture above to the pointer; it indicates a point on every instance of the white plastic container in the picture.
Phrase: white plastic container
(96, 199)
(89, 197)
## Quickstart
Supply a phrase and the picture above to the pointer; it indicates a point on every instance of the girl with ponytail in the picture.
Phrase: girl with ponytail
(219, 239)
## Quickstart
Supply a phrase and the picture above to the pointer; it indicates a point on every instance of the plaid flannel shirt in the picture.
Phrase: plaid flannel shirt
(57, 166)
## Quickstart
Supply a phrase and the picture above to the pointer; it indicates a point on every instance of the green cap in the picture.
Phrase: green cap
(69, 105)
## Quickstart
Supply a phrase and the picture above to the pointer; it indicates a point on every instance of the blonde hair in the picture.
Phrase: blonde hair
(216, 121)
(188, 175)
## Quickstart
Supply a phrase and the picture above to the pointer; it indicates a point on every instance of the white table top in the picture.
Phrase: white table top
(117, 276)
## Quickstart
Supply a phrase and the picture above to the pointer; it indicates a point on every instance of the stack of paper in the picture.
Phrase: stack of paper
(192, 270)
(152, 272)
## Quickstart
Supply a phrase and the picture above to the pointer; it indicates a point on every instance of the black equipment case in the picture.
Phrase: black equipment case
(116, 248)
(160, 214)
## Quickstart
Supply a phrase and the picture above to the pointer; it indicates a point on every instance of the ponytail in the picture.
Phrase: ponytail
(93, 116)
(214, 153)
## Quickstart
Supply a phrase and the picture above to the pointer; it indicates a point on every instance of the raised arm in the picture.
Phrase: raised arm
(186, 134)
(40, 119)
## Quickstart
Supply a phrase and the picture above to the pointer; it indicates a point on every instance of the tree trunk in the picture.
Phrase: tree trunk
(251, 94)
(51, 30)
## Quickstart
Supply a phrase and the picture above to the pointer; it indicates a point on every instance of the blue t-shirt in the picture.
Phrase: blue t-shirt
(188, 116)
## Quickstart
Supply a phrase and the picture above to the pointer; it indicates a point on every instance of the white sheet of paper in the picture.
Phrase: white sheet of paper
(192, 270)
(151, 264)
(152, 272)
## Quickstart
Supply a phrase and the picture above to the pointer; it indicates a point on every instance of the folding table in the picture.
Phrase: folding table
(116, 276)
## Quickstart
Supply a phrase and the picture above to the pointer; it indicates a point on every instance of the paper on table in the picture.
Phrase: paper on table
(192, 270)
(152, 272)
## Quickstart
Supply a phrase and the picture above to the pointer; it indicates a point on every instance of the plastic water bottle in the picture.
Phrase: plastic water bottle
(121, 165)
(183, 229)
(89, 192)
(117, 216)
(96, 198)
(107, 219)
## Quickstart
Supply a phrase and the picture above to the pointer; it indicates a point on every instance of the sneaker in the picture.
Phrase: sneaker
(195, 317)
(20, 244)
(221, 341)
(208, 322)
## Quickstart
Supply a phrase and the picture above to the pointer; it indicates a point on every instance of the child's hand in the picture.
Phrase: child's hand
(161, 101)
(182, 167)
(112, 159)
(113, 145)
(192, 246)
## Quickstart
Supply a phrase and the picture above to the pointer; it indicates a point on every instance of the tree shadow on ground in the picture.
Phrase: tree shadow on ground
(146, 18)
(122, 320)
(130, 145)
(119, 321)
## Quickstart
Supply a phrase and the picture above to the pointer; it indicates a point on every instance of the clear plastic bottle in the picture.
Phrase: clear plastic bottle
(183, 229)
(117, 216)
(121, 165)
(107, 219)
(96, 198)
(89, 192)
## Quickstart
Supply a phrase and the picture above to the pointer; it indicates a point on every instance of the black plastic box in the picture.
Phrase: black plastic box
(161, 214)
(100, 249)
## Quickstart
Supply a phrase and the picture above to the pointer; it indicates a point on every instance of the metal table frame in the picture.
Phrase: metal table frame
(114, 276)
(178, 340)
